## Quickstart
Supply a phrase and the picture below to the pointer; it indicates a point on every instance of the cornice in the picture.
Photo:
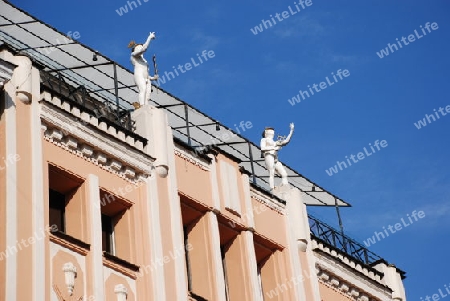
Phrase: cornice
(188, 157)
(6, 72)
(264, 199)
(347, 261)
(89, 143)
(350, 283)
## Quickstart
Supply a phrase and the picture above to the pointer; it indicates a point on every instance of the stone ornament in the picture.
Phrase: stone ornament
(70, 273)
(121, 292)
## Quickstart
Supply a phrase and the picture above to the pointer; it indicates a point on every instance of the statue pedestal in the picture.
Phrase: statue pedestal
(296, 214)
(152, 124)
(281, 190)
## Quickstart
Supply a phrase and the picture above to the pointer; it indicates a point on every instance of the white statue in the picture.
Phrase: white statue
(270, 149)
(141, 74)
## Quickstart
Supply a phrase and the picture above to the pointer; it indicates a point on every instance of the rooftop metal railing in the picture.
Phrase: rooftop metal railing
(336, 239)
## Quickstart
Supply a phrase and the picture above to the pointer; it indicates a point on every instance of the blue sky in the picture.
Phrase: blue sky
(252, 77)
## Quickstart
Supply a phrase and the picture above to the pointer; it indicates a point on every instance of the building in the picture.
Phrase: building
(102, 202)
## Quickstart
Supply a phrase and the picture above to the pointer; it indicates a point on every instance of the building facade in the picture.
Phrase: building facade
(100, 205)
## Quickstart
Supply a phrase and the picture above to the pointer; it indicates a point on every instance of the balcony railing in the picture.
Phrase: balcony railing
(336, 239)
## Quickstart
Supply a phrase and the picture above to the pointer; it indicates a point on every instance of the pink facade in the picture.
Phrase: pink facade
(90, 211)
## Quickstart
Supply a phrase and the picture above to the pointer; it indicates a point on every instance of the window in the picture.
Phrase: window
(65, 202)
(57, 204)
(117, 226)
(190, 217)
(107, 234)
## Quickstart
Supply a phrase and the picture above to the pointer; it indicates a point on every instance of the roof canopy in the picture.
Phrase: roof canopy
(109, 82)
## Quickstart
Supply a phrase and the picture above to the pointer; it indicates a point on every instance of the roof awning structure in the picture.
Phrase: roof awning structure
(113, 84)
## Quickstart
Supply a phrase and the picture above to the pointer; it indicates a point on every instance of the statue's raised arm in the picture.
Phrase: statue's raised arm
(141, 48)
(286, 140)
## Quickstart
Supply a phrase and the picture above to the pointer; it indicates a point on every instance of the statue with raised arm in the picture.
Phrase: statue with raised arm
(141, 74)
(270, 149)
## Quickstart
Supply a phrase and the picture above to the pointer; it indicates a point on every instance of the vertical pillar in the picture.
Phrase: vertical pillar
(248, 212)
(156, 280)
(217, 266)
(94, 259)
(40, 260)
(176, 223)
(6, 72)
(294, 226)
(251, 266)
(27, 240)
(214, 183)
(152, 124)
(11, 194)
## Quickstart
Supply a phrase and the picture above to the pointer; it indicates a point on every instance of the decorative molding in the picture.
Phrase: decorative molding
(120, 265)
(348, 261)
(344, 288)
(347, 281)
(266, 200)
(94, 146)
(121, 292)
(69, 242)
(6, 72)
(70, 273)
(190, 158)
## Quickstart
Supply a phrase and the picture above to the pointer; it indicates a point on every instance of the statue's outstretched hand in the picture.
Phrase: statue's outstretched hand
(152, 35)
(291, 126)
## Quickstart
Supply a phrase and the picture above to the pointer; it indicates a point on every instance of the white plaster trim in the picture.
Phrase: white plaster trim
(332, 270)
(214, 183)
(176, 225)
(39, 282)
(183, 154)
(96, 269)
(248, 201)
(293, 253)
(314, 280)
(216, 256)
(11, 194)
(154, 231)
(80, 139)
(253, 269)
(264, 199)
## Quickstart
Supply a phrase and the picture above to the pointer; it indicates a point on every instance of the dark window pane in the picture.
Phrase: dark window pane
(107, 232)
(57, 203)
(188, 263)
